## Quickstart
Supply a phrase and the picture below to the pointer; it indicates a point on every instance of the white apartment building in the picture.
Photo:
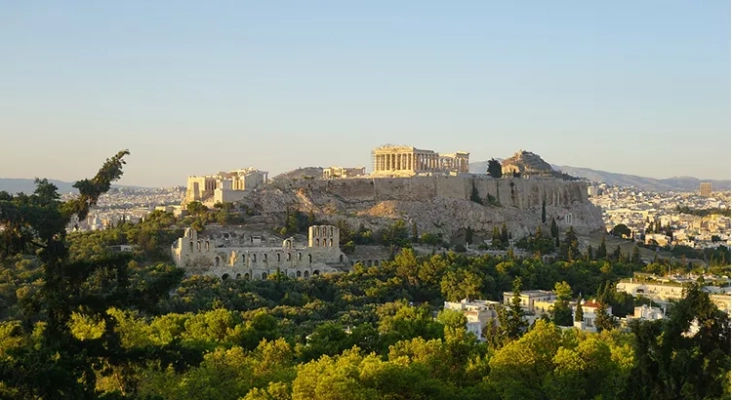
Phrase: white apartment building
(478, 313)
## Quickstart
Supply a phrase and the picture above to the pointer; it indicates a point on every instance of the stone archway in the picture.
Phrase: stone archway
(224, 277)
(316, 273)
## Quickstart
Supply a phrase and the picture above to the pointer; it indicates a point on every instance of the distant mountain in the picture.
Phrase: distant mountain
(17, 185)
(678, 184)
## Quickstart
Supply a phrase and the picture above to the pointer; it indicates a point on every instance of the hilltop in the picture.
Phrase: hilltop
(440, 205)
(677, 184)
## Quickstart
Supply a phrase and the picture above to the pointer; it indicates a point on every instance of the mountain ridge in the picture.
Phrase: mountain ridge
(27, 186)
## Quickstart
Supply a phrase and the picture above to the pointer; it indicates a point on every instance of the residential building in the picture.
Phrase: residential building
(589, 313)
(705, 189)
(478, 314)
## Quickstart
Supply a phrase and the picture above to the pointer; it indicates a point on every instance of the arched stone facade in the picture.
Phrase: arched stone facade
(321, 255)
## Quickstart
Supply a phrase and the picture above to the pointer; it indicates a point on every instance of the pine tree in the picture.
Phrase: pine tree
(515, 323)
(590, 256)
(603, 320)
(61, 365)
(469, 235)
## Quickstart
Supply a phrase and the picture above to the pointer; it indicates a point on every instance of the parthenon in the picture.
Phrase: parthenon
(392, 160)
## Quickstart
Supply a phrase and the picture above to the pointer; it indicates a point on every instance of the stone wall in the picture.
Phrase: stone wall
(519, 193)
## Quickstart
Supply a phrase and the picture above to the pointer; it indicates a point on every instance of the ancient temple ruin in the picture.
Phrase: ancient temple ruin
(406, 161)
(224, 186)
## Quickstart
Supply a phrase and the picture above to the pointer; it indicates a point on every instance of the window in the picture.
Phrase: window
(254, 258)
(264, 275)
(289, 257)
(299, 274)
(299, 256)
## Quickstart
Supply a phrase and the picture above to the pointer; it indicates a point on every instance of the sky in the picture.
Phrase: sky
(192, 88)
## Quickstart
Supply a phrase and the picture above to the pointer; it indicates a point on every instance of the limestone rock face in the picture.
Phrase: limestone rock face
(525, 163)
(437, 204)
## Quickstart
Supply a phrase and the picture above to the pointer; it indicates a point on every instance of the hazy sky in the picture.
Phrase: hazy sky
(194, 87)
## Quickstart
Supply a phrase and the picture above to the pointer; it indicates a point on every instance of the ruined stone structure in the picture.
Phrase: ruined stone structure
(406, 161)
(526, 164)
(340, 172)
(224, 186)
(251, 259)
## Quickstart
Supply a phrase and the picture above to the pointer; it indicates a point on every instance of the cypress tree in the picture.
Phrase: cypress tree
(579, 314)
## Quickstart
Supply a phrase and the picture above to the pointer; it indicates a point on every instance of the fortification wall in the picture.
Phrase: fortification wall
(519, 193)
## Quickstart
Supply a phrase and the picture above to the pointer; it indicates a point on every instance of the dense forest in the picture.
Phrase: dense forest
(82, 321)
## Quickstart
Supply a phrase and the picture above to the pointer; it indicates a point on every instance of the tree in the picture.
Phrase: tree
(494, 168)
(579, 314)
(603, 320)
(196, 208)
(469, 235)
(475, 196)
(675, 360)
(569, 249)
(79, 334)
(496, 241)
(601, 252)
(554, 229)
(621, 230)
(512, 321)
(562, 314)
(504, 234)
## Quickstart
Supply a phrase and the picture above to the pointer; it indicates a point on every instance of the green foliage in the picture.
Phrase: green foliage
(127, 326)
(569, 249)
(495, 169)
(561, 313)
(621, 230)
(673, 361)
(538, 243)
(474, 196)
(396, 235)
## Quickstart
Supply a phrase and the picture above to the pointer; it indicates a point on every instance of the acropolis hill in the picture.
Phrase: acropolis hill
(432, 190)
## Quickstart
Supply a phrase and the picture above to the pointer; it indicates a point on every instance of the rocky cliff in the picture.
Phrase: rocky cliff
(437, 204)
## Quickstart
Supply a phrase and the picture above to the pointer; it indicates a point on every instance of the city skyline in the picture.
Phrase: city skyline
(199, 90)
